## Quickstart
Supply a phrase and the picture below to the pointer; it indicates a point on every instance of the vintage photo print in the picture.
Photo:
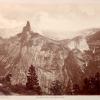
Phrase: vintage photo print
(50, 48)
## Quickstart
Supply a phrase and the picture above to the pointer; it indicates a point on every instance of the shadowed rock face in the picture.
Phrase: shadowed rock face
(48, 56)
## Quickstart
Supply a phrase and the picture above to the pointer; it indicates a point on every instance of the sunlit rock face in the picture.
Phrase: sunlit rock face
(52, 59)
(79, 43)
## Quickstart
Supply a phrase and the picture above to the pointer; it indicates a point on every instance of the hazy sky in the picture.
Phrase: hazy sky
(51, 1)
(54, 18)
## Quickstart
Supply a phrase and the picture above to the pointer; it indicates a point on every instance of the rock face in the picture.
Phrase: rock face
(1, 40)
(75, 63)
(52, 59)
(94, 45)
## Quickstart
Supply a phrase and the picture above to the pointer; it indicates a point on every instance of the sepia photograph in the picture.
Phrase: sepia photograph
(49, 48)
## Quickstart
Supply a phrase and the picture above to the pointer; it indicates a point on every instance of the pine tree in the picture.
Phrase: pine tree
(76, 89)
(32, 81)
(56, 88)
(97, 83)
(86, 85)
(7, 79)
(92, 85)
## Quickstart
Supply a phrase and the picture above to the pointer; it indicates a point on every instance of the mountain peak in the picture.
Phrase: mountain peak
(27, 27)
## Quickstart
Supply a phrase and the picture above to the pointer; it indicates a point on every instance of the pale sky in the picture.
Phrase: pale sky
(54, 18)
(50, 1)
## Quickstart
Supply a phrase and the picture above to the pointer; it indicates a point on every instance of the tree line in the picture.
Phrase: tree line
(90, 85)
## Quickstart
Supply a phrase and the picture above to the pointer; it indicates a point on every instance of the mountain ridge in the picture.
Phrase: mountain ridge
(48, 56)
